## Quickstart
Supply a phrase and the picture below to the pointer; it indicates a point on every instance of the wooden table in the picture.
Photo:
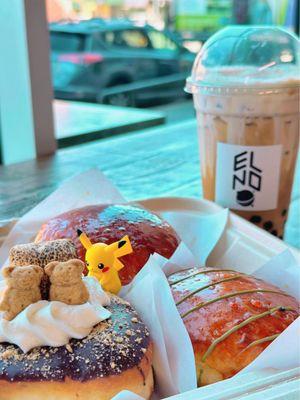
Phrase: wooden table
(157, 162)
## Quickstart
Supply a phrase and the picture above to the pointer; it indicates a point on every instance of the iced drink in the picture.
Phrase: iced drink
(248, 144)
(245, 84)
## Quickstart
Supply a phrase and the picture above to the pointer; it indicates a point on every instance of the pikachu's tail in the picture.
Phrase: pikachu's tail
(84, 240)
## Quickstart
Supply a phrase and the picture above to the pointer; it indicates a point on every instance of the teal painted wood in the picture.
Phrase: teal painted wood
(16, 124)
(26, 123)
(161, 161)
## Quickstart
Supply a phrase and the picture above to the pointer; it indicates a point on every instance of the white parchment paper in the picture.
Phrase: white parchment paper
(199, 232)
(282, 353)
(173, 354)
(127, 395)
(149, 292)
(90, 187)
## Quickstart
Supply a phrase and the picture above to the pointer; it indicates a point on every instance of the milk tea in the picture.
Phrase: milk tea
(248, 144)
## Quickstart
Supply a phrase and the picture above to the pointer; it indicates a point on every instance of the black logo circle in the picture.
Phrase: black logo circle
(245, 198)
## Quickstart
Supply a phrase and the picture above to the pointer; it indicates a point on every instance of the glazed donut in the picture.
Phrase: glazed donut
(148, 233)
(230, 317)
(115, 356)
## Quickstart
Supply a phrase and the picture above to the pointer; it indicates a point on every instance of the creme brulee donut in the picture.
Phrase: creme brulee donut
(231, 318)
(115, 356)
(148, 233)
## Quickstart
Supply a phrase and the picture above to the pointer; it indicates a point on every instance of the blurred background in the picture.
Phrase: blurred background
(139, 52)
(77, 77)
(80, 70)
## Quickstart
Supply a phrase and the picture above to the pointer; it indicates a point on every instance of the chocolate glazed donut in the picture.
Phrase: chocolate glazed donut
(117, 355)
(230, 317)
(148, 233)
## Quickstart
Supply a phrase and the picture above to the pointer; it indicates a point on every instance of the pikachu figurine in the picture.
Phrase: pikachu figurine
(102, 260)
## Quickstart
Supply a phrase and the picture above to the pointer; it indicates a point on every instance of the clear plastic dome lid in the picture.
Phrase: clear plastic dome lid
(243, 56)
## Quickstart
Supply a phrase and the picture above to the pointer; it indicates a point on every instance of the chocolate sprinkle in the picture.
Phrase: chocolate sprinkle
(107, 350)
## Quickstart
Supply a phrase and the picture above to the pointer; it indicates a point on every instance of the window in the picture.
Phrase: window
(161, 41)
(130, 38)
(62, 42)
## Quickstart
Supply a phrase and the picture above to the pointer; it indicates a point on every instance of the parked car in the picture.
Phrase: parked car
(116, 62)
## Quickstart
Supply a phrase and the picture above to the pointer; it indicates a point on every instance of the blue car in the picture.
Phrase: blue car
(117, 62)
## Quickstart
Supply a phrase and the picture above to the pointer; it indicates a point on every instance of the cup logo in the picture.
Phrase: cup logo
(248, 176)
(245, 198)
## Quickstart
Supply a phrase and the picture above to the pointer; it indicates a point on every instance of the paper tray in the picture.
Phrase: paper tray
(255, 245)
(266, 385)
(252, 248)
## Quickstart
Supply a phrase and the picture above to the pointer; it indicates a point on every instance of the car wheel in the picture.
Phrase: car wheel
(120, 99)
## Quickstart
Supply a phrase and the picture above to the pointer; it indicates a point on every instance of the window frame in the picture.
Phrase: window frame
(84, 41)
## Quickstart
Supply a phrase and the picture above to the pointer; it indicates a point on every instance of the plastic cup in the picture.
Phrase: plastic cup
(264, 121)
(248, 121)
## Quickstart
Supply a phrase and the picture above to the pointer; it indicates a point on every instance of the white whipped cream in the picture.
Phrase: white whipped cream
(54, 323)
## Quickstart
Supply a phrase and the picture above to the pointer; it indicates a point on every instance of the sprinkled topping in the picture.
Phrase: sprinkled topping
(69, 348)
(7, 354)
(107, 350)
(42, 253)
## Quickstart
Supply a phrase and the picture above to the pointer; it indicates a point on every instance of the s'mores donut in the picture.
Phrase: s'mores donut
(116, 355)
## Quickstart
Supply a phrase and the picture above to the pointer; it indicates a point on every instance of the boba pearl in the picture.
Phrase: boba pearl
(255, 219)
(268, 225)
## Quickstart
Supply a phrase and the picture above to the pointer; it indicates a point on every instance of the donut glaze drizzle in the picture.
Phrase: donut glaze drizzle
(219, 304)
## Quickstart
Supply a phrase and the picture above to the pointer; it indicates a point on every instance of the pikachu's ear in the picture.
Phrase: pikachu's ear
(6, 271)
(124, 247)
(84, 240)
(50, 267)
(111, 248)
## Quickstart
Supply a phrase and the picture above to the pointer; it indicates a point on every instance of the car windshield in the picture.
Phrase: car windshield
(160, 41)
(62, 42)
(129, 38)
